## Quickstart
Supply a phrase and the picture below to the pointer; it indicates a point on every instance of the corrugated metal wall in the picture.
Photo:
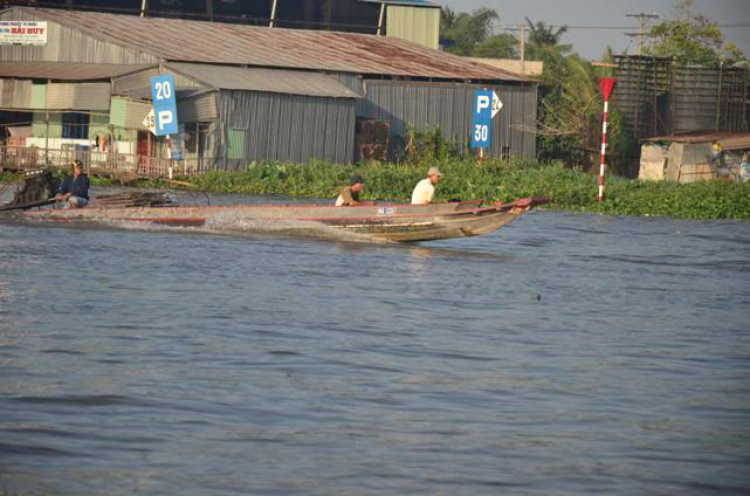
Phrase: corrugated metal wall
(286, 128)
(418, 24)
(694, 100)
(448, 106)
(68, 45)
(128, 114)
(516, 124)
(15, 94)
(123, 85)
(22, 94)
(38, 96)
(200, 108)
(352, 81)
(78, 96)
(709, 99)
(657, 97)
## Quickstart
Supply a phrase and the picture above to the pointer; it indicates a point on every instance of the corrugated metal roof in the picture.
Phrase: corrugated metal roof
(179, 40)
(65, 71)
(260, 79)
(728, 140)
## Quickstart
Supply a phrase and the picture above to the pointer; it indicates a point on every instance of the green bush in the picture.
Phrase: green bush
(465, 178)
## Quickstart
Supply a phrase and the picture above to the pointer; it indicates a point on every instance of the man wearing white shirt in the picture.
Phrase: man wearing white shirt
(425, 189)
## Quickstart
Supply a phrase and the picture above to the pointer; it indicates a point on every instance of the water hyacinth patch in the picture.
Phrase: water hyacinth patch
(492, 180)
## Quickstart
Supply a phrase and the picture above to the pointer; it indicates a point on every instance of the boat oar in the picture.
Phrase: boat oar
(523, 203)
(25, 206)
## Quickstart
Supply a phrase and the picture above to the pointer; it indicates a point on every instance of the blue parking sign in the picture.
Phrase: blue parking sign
(481, 130)
(165, 104)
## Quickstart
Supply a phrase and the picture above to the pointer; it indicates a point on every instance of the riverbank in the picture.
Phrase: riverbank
(492, 180)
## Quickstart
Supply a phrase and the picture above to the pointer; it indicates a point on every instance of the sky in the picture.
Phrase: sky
(591, 43)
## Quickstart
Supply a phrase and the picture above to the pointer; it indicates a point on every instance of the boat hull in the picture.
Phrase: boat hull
(377, 223)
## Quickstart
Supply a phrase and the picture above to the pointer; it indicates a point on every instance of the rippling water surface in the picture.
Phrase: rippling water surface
(565, 354)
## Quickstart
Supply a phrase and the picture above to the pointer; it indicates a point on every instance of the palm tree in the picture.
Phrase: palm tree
(448, 18)
(465, 31)
(542, 34)
(544, 40)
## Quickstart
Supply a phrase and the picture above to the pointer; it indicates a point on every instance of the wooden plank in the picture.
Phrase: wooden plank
(698, 169)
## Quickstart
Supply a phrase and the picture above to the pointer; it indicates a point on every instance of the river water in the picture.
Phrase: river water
(564, 354)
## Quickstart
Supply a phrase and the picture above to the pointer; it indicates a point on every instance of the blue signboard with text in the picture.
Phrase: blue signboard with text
(481, 130)
(165, 104)
(486, 105)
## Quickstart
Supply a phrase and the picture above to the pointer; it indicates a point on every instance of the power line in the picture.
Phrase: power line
(643, 19)
(514, 27)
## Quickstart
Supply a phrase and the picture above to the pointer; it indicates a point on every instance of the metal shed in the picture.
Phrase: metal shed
(276, 115)
(689, 157)
(257, 113)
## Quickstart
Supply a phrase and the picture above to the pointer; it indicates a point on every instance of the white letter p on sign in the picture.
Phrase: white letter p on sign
(165, 118)
(483, 102)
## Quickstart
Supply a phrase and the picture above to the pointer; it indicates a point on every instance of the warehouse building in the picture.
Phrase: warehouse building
(244, 93)
(413, 20)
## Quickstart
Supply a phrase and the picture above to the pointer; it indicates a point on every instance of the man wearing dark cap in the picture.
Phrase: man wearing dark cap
(349, 196)
(74, 191)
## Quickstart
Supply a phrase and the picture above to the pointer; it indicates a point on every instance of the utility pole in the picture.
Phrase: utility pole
(521, 28)
(523, 49)
(272, 22)
(380, 18)
(643, 18)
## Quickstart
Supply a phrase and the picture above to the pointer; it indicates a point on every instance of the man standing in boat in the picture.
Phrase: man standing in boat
(425, 189)
(349, 196)
(74, 191)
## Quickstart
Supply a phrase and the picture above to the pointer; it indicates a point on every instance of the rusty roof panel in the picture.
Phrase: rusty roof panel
(66, 71)
(179, 40)
(727, 139)
(262, 79)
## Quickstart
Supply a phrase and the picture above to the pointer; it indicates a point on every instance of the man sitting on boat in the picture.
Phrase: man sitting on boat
(349, 196)
(425, 189)
(74, 191)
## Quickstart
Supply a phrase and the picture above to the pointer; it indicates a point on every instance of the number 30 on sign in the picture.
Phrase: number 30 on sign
(481, 133)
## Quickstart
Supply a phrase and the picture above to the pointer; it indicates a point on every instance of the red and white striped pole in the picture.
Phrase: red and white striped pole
(606, 85)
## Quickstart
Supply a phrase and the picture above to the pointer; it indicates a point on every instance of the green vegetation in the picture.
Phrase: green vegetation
(11, 177)
(473, 34)
(493, 180)
(691, 38)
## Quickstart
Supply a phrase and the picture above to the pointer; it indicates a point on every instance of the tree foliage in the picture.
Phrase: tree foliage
(500, 46)
(473, 34)
(691, 38)
(544, 40)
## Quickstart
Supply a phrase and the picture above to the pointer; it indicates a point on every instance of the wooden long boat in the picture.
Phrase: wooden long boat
(375, 223)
